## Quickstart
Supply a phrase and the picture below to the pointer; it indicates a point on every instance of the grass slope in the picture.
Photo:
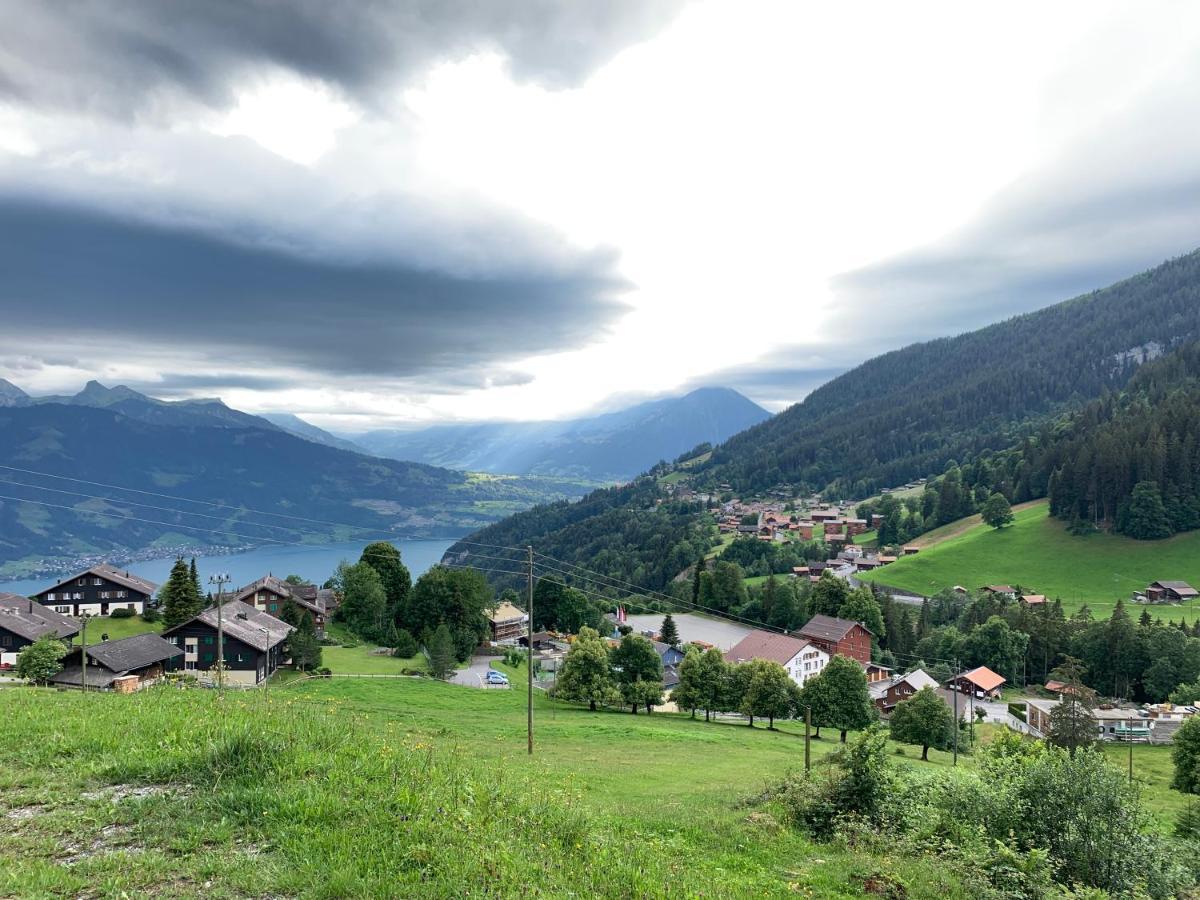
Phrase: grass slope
(1037, 552)
(398, 788)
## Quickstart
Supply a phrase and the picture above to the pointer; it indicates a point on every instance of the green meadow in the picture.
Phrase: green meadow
(1037, 553)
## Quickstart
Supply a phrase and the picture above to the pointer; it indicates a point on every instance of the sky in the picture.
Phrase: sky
(376, 214)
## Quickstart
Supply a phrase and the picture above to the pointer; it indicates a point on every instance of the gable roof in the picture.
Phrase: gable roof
(506, 612)
(782, 648)
(917, 679)
(314, 599)
(984, 678)
(30, 620)
(1033, 599)
(134, 652)
(242, 621)
(999, 588)
(113, 574)
(1182, 588)
(829, 628)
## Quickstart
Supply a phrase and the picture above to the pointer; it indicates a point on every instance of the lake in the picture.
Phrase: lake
(314, 562)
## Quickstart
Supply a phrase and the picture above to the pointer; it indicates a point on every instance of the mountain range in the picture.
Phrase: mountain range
(197, 473)
(907, 414)
(614, 446)
(213, 465)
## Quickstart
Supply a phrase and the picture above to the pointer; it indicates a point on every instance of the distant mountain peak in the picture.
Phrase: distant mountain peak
(11, 395)
(96, 394)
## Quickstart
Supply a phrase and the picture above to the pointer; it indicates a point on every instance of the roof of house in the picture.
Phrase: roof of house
(242, 621)
(661, 649)
(984, 678)
(134, 652)
(30, 620)
(917, 679)
(309, 596)
(999, 588)
(113, 574)
(1033, 599)
(828, 628)
(506, 612)
(1180, 587)
(782, 648)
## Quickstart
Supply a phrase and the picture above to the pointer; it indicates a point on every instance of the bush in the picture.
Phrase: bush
(1187, 825)
(406, 645)
(323, 672)
(152, 615)
(122, 612)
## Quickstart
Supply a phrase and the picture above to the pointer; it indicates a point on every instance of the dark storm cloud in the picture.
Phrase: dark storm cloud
(183, 384)
(70, 276)
(135, 55)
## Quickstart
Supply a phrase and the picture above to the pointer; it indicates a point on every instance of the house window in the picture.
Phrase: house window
(274, 607)
(82, 581)
(5, 640)
(97, 581)
(63, 609)
(122, 594)
(208, 639)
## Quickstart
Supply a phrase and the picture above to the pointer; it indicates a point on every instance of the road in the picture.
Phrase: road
(473, 674)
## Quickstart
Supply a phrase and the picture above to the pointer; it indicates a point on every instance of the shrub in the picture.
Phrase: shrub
(151, 615)
(406, 645)
(1187, 825)
(122, 612)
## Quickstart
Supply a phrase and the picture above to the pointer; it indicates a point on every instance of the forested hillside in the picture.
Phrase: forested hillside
(907, 413)
(982, 413)
(621, 532)
(305, 485)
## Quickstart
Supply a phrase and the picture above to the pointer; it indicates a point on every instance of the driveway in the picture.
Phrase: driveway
(473, 674)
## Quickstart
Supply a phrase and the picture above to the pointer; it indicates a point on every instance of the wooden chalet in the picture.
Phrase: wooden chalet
(253, 642)
(98, 591)
(981, 682)
(888, 692)
(839, 637)
(270, 595)
(1170, 592)
(124, 666)
(23, 621)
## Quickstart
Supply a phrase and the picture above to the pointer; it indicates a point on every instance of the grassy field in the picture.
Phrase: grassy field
(400, 788)
(118, 628)
(1038, 553)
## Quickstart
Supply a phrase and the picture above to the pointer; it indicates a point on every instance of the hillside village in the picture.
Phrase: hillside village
(242, 641)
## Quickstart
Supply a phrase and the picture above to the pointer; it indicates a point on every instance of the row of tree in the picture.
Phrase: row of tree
(380, 602)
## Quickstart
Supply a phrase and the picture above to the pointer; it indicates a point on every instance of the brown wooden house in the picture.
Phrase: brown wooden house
(839, 637)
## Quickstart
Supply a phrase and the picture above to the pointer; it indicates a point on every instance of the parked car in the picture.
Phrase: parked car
(494, 677)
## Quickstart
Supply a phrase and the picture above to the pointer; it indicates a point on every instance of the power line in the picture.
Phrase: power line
(179, 512)
(210, 503)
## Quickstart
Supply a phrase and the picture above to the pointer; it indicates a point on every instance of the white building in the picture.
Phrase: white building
(801, 658)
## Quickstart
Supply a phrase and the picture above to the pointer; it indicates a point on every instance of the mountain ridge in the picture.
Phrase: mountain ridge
(613, 446)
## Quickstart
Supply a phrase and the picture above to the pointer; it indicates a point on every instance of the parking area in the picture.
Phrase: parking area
(475, 674)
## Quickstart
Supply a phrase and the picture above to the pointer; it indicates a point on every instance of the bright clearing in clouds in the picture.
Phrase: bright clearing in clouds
(749, 194)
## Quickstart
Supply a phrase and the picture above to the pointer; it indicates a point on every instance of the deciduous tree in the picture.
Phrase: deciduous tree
(923, 719)
(996, 511)
(766, 692)
(586, 676)
(41, 660)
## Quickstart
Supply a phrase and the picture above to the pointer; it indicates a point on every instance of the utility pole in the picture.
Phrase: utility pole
(1129, 737)
(807, 738)
(529, 659)
(83, 651)
(220, 581)
(956, 712)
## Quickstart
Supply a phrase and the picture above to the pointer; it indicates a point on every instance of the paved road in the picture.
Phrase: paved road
(473, 674)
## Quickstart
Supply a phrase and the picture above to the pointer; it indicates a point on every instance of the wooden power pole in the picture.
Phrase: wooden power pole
(529, 657)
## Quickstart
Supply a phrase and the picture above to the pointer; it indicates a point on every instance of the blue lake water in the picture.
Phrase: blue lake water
(314, 563)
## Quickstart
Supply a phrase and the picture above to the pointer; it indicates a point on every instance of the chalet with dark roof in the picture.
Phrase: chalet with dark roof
(253, 643)
(23, 621)
(126, 665)
(270, 595)
(839, 637)
(1170, 592)
(98, 591)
